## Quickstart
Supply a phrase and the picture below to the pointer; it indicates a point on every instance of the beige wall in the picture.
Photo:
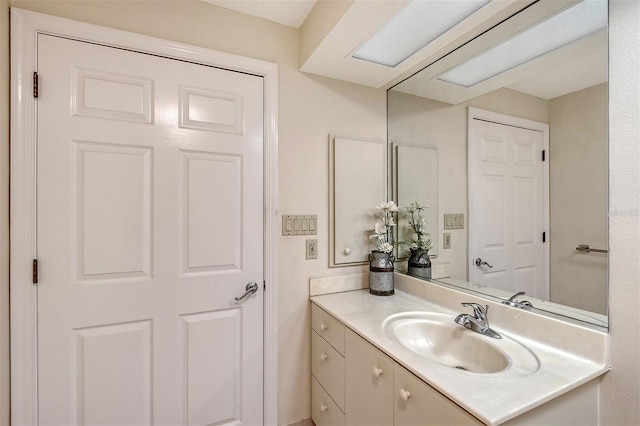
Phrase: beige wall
(578, 173)
(309, 109)
(4, 212)
(418, 121)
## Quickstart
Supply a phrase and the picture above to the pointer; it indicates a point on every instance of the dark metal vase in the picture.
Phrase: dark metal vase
(381, 273)
(419, 263)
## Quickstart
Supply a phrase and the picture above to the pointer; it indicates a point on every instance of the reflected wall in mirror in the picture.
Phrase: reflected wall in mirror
(567, 89)
(415, 180)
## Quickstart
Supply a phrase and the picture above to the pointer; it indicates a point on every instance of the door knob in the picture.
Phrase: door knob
(251, 288)
(480, 262)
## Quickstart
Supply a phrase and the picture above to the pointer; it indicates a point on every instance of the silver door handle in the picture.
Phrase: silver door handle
(480, 262)
(251, 288)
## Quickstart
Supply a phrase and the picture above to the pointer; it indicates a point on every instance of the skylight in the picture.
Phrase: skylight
(414, 27)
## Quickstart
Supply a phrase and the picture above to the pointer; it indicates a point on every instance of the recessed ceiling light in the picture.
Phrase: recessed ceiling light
(563, 28)
(415, 26)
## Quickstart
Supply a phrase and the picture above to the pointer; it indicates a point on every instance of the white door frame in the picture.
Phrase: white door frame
(508, 120)
(25, 27)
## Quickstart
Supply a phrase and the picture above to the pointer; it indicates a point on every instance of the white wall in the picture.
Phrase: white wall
(578, 173)
(424, 122)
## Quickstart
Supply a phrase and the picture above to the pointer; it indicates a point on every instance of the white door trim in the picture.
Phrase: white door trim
(508, 120)
(25, 27)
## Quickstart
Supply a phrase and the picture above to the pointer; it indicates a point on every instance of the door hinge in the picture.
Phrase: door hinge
(544, 151)
(35, 84)
(264, 286)
(35, 271)
(544, 237)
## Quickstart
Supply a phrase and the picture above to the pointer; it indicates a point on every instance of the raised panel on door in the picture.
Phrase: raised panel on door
(418, 404)
(212, 236)
(113, 366)
(211, 349)
(368, 383)
(107, 202)
(150, 223)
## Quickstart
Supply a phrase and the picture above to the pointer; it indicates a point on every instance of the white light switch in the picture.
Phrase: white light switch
(299, 224)
(453, 221)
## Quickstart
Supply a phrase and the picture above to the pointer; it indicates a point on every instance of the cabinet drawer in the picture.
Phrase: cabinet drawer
(327, 366)
(328, 327)
(324, 411)
(417, 403)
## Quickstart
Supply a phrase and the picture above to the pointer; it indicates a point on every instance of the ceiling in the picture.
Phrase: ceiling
(287, 12)
(330, 31)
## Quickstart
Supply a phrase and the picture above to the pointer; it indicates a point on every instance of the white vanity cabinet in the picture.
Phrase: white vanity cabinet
(364, 386)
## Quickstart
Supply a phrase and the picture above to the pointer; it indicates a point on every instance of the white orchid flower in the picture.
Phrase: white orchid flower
(380, 228)
(386, 247)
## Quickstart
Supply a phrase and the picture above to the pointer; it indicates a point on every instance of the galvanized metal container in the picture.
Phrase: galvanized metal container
(419, 263)
(381, 273)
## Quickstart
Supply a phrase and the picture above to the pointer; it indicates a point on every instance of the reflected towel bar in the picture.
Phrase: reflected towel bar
(584, 248)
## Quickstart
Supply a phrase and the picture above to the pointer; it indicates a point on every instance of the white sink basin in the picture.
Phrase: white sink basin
(437, 338)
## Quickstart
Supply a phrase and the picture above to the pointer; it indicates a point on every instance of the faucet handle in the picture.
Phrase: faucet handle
(514, 298)
(479, 311)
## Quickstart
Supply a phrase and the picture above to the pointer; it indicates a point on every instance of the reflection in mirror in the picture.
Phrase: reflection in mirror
(416, 181)
(566, 89)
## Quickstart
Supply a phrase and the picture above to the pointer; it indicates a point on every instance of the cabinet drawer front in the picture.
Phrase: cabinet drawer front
(327, 366)
(328, 327)
(368, 383)
(324, 410)
(424, 405)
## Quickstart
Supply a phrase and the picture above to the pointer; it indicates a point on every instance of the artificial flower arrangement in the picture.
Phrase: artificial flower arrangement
(381, 232)
(419, 239)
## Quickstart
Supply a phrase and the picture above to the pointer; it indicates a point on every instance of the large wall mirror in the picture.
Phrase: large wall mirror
(478, 105)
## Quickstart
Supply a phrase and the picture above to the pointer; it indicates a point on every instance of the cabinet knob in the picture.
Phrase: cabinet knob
(377, 372)
(323, 326)
(324, 357)
(405, 394)
(347, 251)
(324, 407)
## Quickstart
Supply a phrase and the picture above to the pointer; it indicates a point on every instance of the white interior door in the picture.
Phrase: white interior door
(150, 222)
(506, 207)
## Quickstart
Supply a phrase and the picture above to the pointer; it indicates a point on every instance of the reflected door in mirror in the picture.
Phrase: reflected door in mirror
(507, 208)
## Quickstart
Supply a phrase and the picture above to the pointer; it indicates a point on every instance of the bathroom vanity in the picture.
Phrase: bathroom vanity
(401, 360)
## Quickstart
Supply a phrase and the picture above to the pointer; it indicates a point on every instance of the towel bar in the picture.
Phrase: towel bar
(584, 248)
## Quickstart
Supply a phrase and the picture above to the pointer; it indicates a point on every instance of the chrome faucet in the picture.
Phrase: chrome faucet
(478, 322)
(515, 302)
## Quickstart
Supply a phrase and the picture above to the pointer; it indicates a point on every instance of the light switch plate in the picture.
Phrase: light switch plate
(300, 224)
(311, 249)
(446, 240)
(453, 221)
